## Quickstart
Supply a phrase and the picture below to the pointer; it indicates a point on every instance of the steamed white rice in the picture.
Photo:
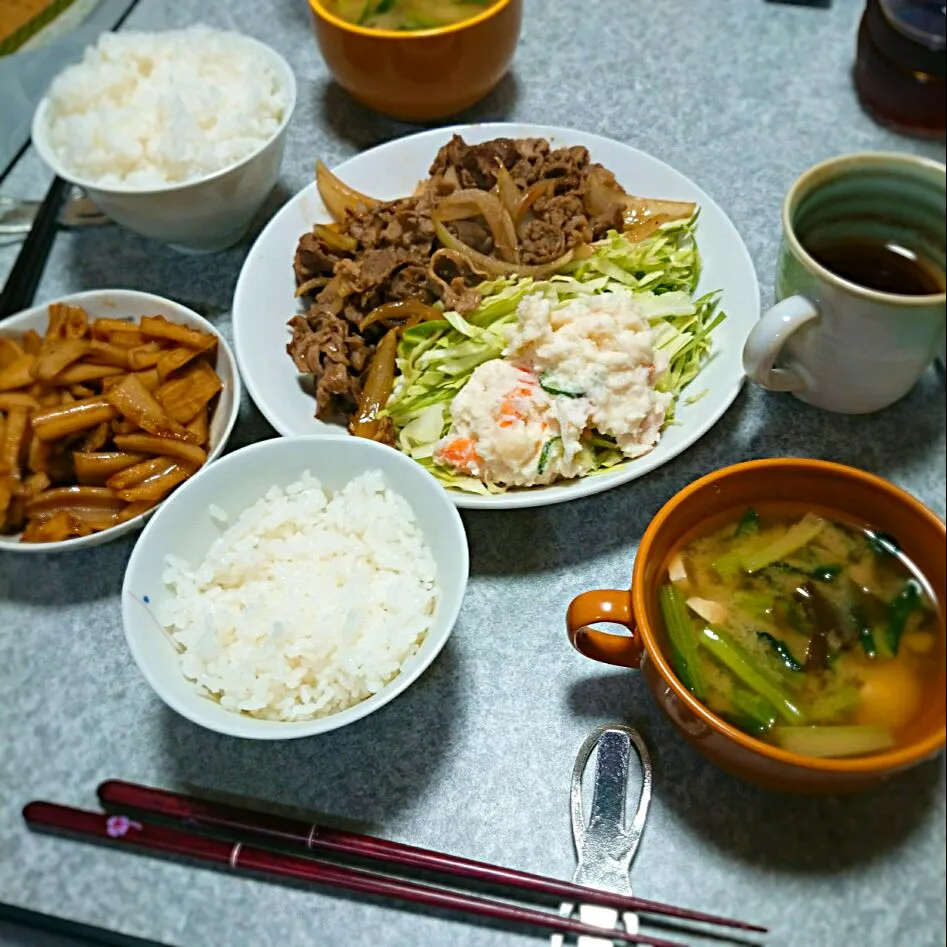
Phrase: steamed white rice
(144, 110)
(308, 603)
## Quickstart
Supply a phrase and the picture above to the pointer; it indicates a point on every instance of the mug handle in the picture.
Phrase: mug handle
(767, 338)
(604, 605)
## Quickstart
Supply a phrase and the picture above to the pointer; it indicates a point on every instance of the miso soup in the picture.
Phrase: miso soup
(406, 14)
(801, 629)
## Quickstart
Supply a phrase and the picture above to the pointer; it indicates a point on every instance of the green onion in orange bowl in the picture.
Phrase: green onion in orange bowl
(417, 69)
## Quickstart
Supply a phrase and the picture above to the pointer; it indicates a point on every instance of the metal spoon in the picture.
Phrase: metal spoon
(606, 845)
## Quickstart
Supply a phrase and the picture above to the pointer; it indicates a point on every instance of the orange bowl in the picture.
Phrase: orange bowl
(856, 495)
(424, 74)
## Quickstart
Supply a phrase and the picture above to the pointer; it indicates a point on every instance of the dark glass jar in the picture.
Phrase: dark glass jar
(900, 67)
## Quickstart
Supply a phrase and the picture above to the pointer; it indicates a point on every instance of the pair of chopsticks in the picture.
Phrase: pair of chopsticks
(20, 287)
(244, 840)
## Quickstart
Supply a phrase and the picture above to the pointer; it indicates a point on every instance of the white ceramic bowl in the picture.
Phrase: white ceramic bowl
(183, 527)
(131, 305)
(201, 216)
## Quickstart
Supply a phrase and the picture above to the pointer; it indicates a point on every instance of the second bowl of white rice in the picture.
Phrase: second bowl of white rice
(177, 135)
(295, 586)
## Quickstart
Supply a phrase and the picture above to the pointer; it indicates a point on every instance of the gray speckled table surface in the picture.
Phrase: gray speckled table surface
(740, 95)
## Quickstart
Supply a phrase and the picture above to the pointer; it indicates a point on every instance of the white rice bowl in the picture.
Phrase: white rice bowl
(146, 110)
(307, 604)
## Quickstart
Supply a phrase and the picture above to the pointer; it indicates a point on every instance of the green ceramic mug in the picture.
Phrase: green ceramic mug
(860, 279)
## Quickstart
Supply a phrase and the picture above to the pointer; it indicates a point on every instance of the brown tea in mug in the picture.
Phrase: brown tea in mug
(886, 266)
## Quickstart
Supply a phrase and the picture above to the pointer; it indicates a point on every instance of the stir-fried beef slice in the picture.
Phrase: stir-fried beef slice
(325, 345)
(336, 382)
(404, 223)
(313, 259)
(559, 223)
(541, 241)
(567, 163)
(318, 341)
(528, 168)
(555, 222)
(298, 345)
(368, 281)
(472, 165)
(474, 233)
(410, 282)
(527, 160)
(408, 228)
(327, 342)
(456, 295)
(452, 278)
(449, 156)
(476, 165)
(374, 268)
(400, 227)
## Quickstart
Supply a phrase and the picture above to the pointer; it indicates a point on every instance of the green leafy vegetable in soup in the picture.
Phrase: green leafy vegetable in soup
(406, 14)
(802, 629)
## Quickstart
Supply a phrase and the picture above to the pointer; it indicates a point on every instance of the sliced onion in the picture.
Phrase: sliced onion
(377, 388)
(493, 266)
(336, 298)
(406, 309)
(338, 196)
(317, 282)
(457, 211)
(334, 239)
(640, 207)
(644, 216)
(507, 190)
(643, 229)
(458, 259)
(602, 193)
(489, 207)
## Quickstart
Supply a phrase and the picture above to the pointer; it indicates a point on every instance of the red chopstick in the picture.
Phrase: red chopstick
(239, 824)
(129, 834)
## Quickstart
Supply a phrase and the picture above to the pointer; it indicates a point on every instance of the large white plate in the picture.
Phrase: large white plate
(264, 298)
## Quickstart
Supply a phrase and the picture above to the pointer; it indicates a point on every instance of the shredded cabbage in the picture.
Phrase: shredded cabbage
(436, 359)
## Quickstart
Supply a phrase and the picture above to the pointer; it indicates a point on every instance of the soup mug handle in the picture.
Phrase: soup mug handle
(612, 605)
(767, 338)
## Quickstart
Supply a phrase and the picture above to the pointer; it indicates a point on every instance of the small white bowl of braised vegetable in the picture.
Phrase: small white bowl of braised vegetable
(108, 401)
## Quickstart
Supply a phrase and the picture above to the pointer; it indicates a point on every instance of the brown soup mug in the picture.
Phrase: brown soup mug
(420, 75)
(854, 494)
